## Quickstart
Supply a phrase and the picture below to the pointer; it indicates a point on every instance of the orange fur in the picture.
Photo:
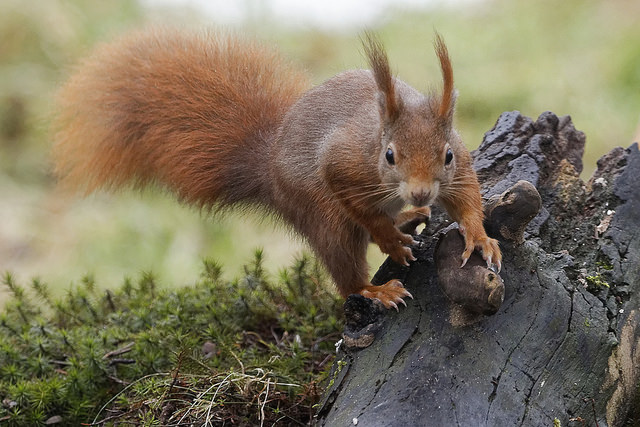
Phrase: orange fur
(192, 112)
(446, 103)
(382, 74)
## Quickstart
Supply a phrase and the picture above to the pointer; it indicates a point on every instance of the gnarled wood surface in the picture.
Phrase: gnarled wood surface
(564, 344)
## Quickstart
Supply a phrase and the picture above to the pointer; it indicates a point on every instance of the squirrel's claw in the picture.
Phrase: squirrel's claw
(402, 255)
(464, 261)
(491, 253)
(488, 246)
(388, 294)
(494, 266)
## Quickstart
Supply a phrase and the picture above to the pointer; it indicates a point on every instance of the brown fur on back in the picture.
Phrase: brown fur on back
(197, 110)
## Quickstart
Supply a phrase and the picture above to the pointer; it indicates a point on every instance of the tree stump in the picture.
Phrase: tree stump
(563, 345)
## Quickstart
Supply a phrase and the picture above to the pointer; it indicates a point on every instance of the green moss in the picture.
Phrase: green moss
(597, 281)
(247, 351)
(341, 364)
(604, 265)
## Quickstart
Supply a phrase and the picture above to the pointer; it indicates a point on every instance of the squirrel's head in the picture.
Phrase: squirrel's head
(418, 145)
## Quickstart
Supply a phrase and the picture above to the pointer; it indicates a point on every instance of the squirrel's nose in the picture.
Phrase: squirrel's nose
(420, 197)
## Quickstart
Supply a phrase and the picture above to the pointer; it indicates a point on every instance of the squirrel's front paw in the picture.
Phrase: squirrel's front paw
(488, 246)
(408, 220)
(396, 249)
(402, 255)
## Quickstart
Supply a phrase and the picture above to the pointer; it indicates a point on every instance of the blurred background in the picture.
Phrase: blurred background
(575, 57)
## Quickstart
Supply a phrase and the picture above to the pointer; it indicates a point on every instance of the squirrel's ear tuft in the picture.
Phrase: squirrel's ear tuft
(446, 103)
(379, 62)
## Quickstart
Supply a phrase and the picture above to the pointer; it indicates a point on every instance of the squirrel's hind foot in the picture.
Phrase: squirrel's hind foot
(390, 294)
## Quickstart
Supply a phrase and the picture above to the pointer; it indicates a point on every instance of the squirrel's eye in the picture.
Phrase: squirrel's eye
(448, 157)
(389, 156)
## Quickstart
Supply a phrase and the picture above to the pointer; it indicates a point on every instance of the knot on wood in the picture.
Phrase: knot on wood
(363, 318)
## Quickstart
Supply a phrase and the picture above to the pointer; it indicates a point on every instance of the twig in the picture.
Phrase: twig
(593, 407)
(325, 360)
(121, 361)
(208, 419)
(109, 418)
(239, 361)
(118, 380)
(175, 372)
(266, 397)
(117, 352)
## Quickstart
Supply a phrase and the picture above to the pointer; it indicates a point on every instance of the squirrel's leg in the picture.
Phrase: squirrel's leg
(366, 213)
(383, 232)
(408, 220)
(465, 206)
(389, 239)
(346, 261)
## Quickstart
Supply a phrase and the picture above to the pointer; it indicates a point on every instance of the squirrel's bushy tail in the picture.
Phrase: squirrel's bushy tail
(194, 113)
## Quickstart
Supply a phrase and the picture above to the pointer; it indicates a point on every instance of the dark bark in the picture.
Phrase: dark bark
(564, 344)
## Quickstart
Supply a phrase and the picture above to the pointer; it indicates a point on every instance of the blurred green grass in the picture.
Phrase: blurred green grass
(575, 57)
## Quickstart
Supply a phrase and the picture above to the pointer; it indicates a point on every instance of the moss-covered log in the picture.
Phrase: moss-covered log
(564, 346)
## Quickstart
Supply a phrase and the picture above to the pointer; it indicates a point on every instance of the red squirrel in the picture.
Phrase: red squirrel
(222, 121)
